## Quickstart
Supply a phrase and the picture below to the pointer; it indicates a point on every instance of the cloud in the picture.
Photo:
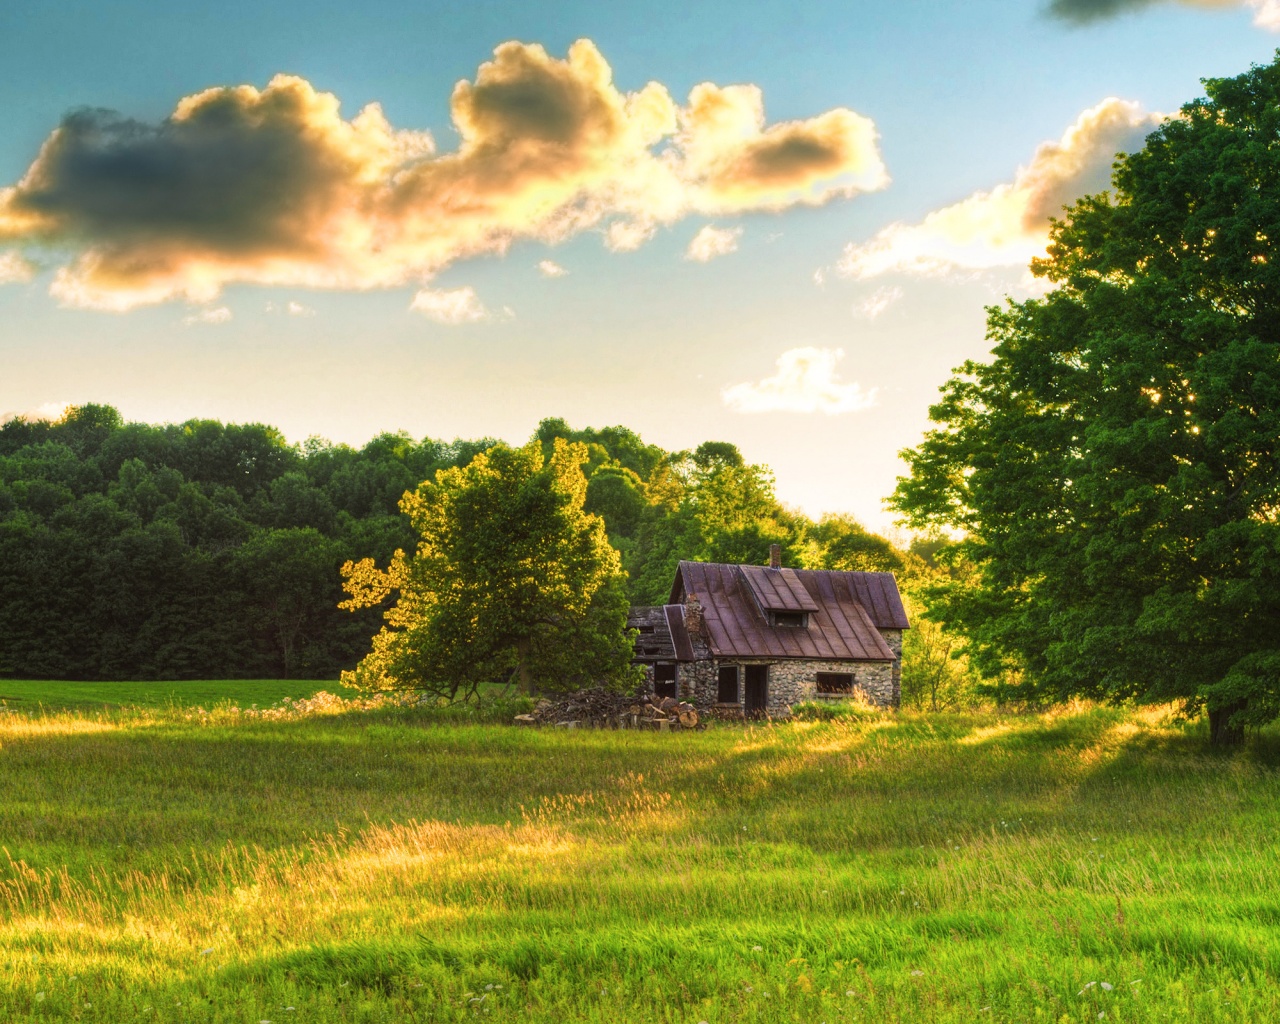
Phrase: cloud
(1008, 225)
(711, 242)
(273, 186)
(877, 302)
(13, 267)
(628, 235)
(1266, 13)
(220, 315)
(51, 411)
(806, 381)
(450, 305)
(550, 268)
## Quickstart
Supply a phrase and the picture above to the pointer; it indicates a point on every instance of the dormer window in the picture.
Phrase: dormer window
(794, 620)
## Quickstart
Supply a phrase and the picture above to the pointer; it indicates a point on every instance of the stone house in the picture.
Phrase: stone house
(757, 639)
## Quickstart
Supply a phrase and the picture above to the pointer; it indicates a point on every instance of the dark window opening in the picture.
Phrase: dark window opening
(644, 629)
(727, 693)
(794, 619)
(756, 695)
(835, 682)
(664, 680)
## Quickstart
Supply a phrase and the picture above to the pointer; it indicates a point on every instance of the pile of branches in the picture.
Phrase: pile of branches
(604, 709)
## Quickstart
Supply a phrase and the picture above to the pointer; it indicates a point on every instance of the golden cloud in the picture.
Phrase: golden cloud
(274, 187)
(1008, 225)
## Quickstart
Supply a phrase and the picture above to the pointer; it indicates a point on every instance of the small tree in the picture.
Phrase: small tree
(512, 582)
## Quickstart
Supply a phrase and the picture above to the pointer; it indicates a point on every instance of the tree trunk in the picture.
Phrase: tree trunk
(1221, 732)
(526, 680)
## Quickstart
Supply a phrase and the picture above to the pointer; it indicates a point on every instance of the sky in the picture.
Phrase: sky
(773, 224)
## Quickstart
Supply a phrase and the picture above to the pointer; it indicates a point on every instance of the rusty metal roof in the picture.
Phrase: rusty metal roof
(877, 592)
(679, 635)
(663, 636)
(848, 611)
(777, 590)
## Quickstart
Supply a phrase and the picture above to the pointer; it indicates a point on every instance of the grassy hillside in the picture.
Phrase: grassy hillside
(374, 866)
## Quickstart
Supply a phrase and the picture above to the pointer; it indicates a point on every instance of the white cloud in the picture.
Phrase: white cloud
(711, 242)
(219, 315)
(628, 235)
(450, 305)
(806, 381)
(14, 267)
(877, 302)
(51, 411)
(550, 268)
(1009, 225)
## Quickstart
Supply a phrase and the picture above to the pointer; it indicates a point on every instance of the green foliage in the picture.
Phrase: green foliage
(383, 866)
(1115, 465)
(175, 552)
(511, 580)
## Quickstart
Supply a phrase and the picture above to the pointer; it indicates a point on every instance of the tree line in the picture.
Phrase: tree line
(211, 550)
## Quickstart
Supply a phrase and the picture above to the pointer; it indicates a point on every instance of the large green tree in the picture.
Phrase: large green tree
(1114, 467)
(512, 581)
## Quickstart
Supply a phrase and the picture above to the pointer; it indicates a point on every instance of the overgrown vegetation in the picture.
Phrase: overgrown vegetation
(388, 866)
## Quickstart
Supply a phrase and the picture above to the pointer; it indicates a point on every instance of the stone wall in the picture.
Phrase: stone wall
(791, 681)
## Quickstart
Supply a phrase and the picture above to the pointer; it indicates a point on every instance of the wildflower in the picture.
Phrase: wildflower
(39, 997)
(757, 949)
(849, 993)
(916, 974)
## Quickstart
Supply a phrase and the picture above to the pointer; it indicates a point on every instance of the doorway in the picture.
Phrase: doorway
(756, 691)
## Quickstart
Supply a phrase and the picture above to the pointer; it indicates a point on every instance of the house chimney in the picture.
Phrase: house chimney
(775, 556)
(693, 616)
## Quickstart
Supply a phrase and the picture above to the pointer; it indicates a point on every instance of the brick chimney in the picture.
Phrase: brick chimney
(775, 556)
(693, 621)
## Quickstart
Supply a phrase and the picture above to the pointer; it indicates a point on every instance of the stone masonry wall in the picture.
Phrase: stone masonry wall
(791, 681)
(893, 638)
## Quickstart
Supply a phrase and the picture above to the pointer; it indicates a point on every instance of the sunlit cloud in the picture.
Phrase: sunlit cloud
(450, 305)
(877, 302)
(218, 315)
(628, 235)
(291, 308)
(550, 268)
(1266, 13)
(1008, 225)
(711, 242)
(50, 411)
(806, 381)
(15, 267)
(274, 187)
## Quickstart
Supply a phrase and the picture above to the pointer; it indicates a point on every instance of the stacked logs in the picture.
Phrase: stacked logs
(601, 709)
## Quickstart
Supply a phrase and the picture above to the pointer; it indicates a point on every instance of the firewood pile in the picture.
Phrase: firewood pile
(601, 709)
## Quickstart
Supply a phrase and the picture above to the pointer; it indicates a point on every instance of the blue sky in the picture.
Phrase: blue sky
(471, 337)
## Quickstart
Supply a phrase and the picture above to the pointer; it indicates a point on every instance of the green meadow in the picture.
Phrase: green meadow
(164, 862)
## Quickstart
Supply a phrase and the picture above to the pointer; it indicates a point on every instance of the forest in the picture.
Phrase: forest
(211, 550)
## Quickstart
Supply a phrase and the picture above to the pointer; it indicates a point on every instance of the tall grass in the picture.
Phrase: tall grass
(388, 865)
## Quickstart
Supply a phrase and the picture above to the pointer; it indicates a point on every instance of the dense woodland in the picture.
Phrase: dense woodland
(210, 550)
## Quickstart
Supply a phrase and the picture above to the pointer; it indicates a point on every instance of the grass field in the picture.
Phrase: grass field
(37, 695)
(168, 865)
